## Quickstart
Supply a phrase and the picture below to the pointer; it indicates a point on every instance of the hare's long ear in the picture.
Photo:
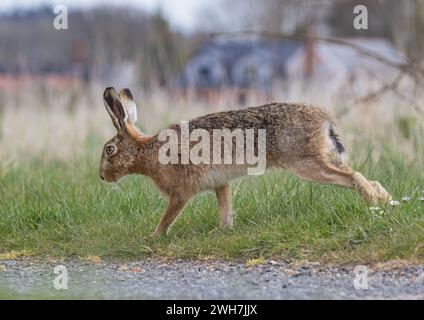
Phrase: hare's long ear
(114, 108)
(127, 101)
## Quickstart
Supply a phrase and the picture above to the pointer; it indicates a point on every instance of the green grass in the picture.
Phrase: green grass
(10, 294)
(62, 209)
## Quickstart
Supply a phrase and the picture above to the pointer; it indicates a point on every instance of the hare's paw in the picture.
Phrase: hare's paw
(380, 194)
(227, 222)
(157, 234)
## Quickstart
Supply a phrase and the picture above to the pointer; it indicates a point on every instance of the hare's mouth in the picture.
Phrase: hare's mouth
(109, 178)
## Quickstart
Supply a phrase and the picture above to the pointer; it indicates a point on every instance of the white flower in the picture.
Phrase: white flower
(394, 203)
(406, 198)
(374, 208)
(421, 198)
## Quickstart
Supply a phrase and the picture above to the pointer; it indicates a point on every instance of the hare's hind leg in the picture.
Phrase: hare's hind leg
(340, 174)
(325, 165)
(223, 195)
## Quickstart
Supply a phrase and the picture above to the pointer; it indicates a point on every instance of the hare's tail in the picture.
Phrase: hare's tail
(336, 140)
(334, 143)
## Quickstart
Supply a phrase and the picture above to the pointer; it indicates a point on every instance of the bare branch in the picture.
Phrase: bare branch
(405, 67)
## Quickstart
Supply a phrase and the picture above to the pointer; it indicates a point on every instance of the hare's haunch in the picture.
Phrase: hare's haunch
(297, 137)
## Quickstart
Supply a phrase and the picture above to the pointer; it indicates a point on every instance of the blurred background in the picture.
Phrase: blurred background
(186, 58)
(190, 57)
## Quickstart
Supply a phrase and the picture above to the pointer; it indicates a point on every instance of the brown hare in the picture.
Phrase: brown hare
(300, 138)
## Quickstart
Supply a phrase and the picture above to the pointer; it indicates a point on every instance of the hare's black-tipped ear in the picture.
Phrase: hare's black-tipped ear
(114, 108)
(127, 101)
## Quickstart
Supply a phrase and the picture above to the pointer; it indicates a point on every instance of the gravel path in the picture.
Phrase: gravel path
(152, 279)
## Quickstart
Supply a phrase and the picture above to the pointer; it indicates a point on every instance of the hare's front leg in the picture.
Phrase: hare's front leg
(175, 205)
(223, 195)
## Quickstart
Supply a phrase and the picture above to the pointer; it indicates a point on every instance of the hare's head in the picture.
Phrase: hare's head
(120, 152)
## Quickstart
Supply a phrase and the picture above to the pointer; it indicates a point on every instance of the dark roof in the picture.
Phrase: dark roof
(232, 50)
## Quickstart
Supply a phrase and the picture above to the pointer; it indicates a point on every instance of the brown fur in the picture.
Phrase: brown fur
(299, 137)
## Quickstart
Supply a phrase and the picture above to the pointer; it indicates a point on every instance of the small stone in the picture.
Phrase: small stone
(9, 263)
(123, 268)
(94, 259)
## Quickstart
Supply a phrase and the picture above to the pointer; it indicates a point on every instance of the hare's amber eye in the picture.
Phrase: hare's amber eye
(110, 149)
